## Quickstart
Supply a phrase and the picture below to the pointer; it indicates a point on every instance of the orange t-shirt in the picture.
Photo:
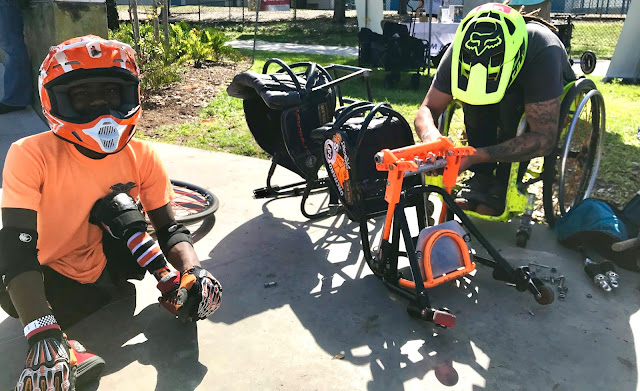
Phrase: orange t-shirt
(49, 175)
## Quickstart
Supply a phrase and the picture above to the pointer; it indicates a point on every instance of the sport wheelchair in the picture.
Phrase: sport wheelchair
(395, 50)
(568, 174)
(283, 108)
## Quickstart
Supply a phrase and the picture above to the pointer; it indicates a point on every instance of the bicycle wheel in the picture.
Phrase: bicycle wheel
(570, 171)
(192, 203)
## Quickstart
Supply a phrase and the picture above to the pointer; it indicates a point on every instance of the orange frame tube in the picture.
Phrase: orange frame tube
(401, 160)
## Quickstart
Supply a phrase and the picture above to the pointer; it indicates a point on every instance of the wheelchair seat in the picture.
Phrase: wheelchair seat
(282, 110)
(277, 90)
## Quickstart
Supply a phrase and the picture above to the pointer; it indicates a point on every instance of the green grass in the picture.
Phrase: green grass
(320, 31)
(222, 125)
(620, 165)
(599, 37)
(226, 130)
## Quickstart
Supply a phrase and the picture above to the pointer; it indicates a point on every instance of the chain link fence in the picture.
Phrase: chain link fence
(596, 24)
(221, 11)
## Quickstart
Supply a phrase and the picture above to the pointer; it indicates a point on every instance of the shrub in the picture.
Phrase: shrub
(160, 62)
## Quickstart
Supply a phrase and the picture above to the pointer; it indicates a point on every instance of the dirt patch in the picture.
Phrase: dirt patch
(181, 102)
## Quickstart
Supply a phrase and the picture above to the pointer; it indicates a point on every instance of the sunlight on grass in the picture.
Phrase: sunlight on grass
(620, 166)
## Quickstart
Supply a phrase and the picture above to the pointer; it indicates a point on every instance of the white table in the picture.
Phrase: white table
(441, 33)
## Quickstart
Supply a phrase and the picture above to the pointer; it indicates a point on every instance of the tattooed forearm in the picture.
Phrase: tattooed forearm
(517, 149)
(542, 118)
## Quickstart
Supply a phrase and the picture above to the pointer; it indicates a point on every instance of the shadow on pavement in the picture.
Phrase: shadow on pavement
(349, 312)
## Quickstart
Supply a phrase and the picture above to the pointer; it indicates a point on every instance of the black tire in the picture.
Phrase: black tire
(547, 295)
(521, 239)
(436, 60)
(192, 203)
(588, 62)
(415, 81)
(572, 159)
(391, 79)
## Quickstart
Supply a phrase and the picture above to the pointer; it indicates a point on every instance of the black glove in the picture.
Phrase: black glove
(118, 214)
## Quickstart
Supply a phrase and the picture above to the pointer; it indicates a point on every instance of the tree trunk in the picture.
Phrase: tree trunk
(113, 22)
(338, 12)
(136, 25)
(165, 22)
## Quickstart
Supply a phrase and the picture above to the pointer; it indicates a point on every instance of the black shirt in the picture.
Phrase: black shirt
(545, 71)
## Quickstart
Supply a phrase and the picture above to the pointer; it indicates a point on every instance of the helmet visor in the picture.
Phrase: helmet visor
(83, 95)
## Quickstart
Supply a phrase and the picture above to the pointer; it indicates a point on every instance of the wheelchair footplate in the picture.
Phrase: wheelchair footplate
(440, 254)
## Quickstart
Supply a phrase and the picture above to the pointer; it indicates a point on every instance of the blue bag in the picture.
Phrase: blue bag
(596, 225)
(591, 215)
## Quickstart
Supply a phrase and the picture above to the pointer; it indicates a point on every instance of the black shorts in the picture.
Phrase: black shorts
(72, 301)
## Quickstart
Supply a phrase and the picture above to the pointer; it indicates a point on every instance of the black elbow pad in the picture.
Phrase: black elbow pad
(18, 252)
(172, 234)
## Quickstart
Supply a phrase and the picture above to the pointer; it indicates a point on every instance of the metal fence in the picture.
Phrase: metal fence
(596, 23)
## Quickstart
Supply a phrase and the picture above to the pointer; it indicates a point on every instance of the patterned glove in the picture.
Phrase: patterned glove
(48, 366)
(197, 296)
(168, 287)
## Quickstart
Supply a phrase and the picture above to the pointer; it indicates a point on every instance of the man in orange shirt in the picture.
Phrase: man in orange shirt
(71, 225)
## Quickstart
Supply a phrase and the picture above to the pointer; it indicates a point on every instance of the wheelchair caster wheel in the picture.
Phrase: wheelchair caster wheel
(588, 62)
(391, 79)
(521, 239)
(415, 81)
(547, 295)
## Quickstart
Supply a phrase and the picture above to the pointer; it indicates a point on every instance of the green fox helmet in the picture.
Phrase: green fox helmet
(488, 51)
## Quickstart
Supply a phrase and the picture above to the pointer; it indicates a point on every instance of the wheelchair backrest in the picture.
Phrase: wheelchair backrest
(392, 29)
(281, 110)
(359, 132)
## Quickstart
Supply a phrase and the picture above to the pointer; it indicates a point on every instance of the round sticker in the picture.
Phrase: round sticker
(330, 151)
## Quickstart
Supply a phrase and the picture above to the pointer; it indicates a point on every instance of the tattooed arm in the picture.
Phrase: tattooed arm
(543, 120)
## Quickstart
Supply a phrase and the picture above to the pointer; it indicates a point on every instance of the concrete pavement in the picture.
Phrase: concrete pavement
(331, 325)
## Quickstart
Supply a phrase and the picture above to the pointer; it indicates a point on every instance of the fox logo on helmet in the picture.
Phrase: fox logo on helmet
(480, 42)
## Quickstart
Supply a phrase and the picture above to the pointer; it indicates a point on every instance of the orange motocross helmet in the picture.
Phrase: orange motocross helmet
(91, 59)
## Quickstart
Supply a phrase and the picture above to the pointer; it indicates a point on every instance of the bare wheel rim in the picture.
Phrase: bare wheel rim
(192, 203)
(581, 153)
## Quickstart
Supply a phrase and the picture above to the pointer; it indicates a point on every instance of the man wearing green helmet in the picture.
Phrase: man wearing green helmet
(500, 67)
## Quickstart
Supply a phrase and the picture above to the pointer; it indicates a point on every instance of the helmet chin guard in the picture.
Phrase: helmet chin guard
(107, 133)
(91, 59)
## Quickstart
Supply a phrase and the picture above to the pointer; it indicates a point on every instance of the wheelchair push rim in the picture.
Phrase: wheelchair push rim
(192, 203)
(577, 158)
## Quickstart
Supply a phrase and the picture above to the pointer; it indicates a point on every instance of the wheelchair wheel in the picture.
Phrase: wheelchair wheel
(570, 171)
(192, 203)
(451, 124)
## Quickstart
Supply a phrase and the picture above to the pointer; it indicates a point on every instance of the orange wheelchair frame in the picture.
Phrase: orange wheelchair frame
(419, 159)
